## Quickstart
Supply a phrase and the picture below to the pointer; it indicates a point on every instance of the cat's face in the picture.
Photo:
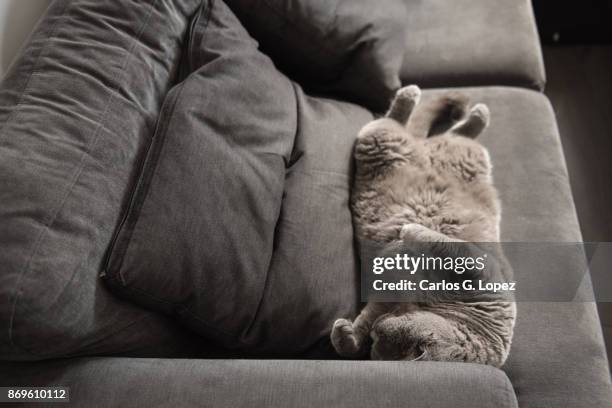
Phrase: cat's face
(414, 336)
(382, 349)
(392, 339)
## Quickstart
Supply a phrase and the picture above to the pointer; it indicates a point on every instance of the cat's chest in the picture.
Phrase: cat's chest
(383, 208)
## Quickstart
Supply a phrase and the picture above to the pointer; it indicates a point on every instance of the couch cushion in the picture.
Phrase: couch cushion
(206, 238)
(109, 382)
(313, 274)
(199, 234)
(347, 48)
(472, 42)
(76, 109)
(557, 357)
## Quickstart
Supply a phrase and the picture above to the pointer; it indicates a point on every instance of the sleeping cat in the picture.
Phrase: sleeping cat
(420, 177)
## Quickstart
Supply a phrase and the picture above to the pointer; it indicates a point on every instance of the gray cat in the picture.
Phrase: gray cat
(420, 177)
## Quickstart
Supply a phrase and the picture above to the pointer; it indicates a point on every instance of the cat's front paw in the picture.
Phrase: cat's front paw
(413, 232)
(344, 340)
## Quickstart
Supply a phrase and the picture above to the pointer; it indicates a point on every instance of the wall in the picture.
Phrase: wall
(17, 19)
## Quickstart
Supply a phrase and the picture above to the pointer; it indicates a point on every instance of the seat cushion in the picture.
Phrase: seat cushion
(472, 42)
(344, 48)
(225, 229)
(109, 382)
(557, 356)
(76, 110)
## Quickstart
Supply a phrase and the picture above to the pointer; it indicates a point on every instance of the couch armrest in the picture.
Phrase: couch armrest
(134, 382)
(472, 42)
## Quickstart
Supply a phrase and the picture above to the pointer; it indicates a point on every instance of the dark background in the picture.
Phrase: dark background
(574, 22)
(577, 43)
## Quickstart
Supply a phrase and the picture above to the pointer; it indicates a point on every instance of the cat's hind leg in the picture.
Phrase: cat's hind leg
(403, 104)
(476, 121)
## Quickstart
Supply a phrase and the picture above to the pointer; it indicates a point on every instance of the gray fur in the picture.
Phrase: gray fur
(421, 176)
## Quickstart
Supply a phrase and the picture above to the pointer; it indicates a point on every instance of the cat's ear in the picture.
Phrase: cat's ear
(476, 121)
(403, 104)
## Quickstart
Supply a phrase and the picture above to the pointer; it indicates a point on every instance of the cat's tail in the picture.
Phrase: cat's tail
(438, 114)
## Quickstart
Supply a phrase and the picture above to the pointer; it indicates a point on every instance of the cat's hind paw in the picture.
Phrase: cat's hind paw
(481, 111)
(404, 102)
(410, 92)
(477, 120)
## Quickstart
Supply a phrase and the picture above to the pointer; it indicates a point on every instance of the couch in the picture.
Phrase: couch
(65, 198)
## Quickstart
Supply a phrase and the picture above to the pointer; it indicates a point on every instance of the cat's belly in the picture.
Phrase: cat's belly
(379, 215)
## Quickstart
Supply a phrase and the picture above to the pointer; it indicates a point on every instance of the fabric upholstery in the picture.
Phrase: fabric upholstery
(73, 125)
(557, 356)
(129, 382)
(201, 241)
(344, 48)
(76, 109)
(313, 274)
(199, 235)
(470, 43)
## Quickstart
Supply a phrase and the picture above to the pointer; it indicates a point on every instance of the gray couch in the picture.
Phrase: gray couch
(111, 352)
